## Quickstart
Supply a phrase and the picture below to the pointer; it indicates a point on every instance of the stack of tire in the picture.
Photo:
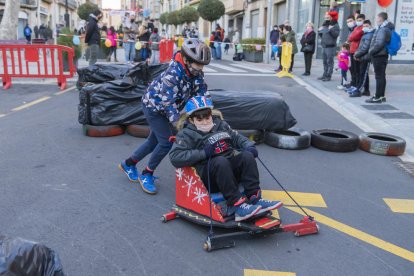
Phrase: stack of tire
(335, 141)
(141, 131)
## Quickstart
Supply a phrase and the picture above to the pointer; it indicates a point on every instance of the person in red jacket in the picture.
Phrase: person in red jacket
(354, 39)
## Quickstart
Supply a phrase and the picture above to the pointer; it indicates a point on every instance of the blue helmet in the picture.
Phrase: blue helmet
(198, 103)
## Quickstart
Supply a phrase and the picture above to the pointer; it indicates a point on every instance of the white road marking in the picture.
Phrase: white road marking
(228, 68)
(209, 70)
(251, 68)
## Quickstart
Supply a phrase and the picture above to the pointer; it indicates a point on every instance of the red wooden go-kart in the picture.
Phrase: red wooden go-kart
(195, 204)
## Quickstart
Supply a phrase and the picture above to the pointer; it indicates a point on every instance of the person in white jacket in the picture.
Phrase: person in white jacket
(236, 39)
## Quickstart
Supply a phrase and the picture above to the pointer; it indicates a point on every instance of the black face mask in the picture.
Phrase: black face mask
(193, 71)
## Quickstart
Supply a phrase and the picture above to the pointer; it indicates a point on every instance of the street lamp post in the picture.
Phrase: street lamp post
(66, 14)
(268, 25)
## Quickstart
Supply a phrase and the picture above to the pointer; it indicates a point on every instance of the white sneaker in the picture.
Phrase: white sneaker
(340, 87)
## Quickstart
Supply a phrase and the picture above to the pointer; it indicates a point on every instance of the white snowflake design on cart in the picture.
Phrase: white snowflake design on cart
(199, 196)
(180, 174)
(189, 183)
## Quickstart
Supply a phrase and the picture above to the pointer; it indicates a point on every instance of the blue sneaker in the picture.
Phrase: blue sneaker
(130, 171)
(147, 183)
(352, 89)
(267, 205)
(246, 211)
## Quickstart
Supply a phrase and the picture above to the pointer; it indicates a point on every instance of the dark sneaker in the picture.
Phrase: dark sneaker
(383, 99)
(374, 100)
(366, 93)
(268, 205)
(130, 171)
(355, 94)
(246, 211)
(321, 78)
(147, 183)
(326, 79)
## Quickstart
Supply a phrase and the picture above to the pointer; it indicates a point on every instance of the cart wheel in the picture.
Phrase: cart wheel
(317, 229)
(164, 219)
(297, 234)
(207, 246)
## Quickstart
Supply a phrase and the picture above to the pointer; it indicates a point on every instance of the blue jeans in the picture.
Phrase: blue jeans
(157, 142)
(344, 76)
(129, 48)
(218, 51)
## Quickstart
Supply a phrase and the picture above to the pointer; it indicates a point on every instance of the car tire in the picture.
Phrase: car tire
(256, 136)
(334, 140)
(291, 139)
(140, 131)
(103, 131)
(382, 144)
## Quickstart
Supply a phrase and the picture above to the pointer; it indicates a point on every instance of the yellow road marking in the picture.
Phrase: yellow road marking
(305, 199)
(31, 103)
(353, 232)
(400, 205)
(254, 272)
(64, 91)
(275, 213)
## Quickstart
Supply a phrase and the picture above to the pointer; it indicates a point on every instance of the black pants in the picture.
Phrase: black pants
(291, 64)
(363, 75)
(226, 174)
(380, 65)
(355, 71)
(308, 62)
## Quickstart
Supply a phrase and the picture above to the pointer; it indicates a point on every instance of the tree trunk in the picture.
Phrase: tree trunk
(8, 26)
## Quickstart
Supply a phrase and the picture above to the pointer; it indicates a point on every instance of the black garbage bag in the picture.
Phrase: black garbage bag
(22, 257)
(262, 110)
(145, 74)
(115, 102)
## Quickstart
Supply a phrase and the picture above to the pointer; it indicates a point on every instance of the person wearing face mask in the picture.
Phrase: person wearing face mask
(354, 39)
(379, 55)
(93, 36)
(274, 37)
(362, 56)
(223, 156)
(290, 36)
(165, 98)
(130, 30)
(328, 32)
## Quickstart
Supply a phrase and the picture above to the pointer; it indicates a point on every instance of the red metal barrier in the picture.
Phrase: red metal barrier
(36, 61)
(166, 50)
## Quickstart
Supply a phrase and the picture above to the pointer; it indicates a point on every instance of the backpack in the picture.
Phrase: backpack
(27, 32)
(395, 44)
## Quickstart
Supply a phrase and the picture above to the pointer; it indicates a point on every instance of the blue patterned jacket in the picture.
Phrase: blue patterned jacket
(169, 93)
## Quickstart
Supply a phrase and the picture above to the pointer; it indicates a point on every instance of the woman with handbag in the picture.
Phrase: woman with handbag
(308, 46)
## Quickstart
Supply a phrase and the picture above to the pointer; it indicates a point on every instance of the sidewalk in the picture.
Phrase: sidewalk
(395, 117)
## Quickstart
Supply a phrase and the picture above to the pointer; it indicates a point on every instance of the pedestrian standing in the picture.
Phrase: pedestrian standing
(93, 37)
(236, 40)
(144, 35)
(111, 35)
(343, 64)
(36, 31)
(290, 37)
(212, 46)
(155, 47)
(379, 55)
(328, 32)
(354, 39)
(279, 43)
(165, 98)
(274, 38)
(363, 57)
(28, 34)
(130, 32)
(218, 38)
(308, 47)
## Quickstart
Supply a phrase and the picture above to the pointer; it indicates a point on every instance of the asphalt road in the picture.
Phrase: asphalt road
(64, 189)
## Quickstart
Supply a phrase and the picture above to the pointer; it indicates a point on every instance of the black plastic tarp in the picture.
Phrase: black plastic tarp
(115, 102)
(141, 73)
(262, 110)
(21, 257)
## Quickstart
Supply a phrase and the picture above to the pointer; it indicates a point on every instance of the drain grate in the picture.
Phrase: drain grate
(408, 167)
(379, 107)
(395, 115)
